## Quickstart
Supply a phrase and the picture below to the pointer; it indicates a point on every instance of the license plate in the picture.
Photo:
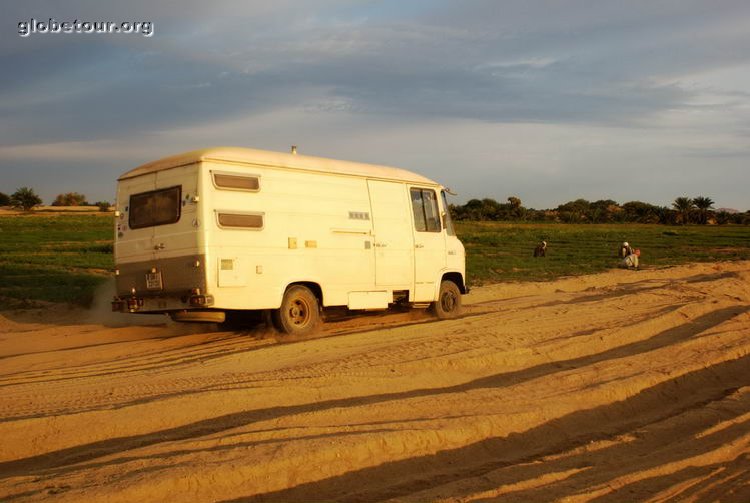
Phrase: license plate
(153, 281)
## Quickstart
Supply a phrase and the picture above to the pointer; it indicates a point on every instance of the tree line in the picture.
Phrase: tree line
(684, 210)
(26, 199)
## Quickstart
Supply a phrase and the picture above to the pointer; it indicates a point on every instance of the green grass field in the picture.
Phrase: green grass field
(64, 258)
(59, 258)
(504, 251)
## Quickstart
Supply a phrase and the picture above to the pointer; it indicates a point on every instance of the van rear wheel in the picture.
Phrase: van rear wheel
(448, 304)
(299, 313)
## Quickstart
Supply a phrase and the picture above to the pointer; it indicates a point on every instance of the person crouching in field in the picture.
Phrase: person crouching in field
(628, 256)
(541, 249)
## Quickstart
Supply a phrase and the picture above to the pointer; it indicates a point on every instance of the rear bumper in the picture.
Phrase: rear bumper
(180, 284)
(178, 274)
(136, 304)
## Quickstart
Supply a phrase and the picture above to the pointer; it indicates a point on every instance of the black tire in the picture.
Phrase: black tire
(448, 304)
(299, 314)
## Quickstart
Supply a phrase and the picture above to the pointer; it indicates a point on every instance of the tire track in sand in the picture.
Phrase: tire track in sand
(577, 394)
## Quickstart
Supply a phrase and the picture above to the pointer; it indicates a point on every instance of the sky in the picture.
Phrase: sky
(548, 101)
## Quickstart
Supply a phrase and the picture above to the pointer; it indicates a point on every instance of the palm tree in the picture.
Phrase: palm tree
(704, 205)
(684, 205)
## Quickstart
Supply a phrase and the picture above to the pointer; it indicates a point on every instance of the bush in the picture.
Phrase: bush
(25, 199)
(70, 199)
(103, 205)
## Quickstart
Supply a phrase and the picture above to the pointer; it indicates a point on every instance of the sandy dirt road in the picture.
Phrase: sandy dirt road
(622, 386)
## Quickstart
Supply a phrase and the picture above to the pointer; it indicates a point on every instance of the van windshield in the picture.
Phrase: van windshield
(156, 207)
(447, 222)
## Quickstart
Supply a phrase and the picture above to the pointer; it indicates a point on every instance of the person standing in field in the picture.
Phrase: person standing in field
(541, 249)
(629, 257)
(625, 250)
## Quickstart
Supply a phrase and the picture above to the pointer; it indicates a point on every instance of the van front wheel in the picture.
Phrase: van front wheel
(299, 313)
(448, 304)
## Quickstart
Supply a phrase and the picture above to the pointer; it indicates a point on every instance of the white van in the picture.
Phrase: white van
(212, 233)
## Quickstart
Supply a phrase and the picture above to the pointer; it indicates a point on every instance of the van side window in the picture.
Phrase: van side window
(240, 220)
(426, 213)
(249, 183)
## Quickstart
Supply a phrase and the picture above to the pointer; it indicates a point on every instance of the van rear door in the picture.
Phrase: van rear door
(178, 235)
(158, 246)
(160, 215)
(134, 242)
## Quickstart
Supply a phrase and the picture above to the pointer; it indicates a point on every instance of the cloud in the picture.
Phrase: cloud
(508, 65)
(647, 83)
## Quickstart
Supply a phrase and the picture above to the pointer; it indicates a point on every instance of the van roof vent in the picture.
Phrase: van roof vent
(294, 149)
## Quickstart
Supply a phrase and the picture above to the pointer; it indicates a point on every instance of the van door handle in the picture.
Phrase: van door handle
(419, 245)
(160, 246)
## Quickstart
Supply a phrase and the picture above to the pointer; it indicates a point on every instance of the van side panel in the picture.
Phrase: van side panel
(393, 235)
(316, 227)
